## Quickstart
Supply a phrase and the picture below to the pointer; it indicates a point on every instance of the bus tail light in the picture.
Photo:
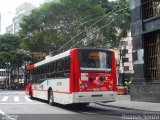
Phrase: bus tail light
(111, 85)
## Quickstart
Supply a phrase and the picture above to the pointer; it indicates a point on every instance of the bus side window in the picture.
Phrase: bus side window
(42, 78)
(59, 68)
(67, 67)
(52, 67)
(43, 69)
(60, 65)
(49, 68)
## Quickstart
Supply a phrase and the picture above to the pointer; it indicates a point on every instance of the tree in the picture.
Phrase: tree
(69, 23)
(124, 21)
(57, 23)
(9, 42)
(11, 56)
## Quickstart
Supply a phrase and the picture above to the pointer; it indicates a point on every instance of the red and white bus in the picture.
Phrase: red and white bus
(75, 76)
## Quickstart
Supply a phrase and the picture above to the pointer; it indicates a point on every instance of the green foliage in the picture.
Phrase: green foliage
(4, 58)
(8, 42)
(53, 24)
(10, 52)
(18, 58)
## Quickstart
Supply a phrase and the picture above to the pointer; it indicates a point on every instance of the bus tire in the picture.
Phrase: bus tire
(50, 98)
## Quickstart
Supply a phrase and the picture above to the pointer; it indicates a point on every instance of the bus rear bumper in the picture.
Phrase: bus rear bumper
(87, 97)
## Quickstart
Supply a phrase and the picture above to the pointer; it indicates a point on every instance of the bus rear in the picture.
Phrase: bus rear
(75, 76)
(93, 75)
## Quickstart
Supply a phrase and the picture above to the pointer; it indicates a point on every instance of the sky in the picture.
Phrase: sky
(7, 10)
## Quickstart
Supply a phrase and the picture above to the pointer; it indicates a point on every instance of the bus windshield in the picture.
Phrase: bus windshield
(95, 61)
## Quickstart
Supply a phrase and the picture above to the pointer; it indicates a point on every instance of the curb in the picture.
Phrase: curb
(120, 107)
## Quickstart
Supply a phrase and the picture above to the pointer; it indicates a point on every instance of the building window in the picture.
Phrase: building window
(126, 68)
(150, 8)
(124, 43)
(125, 59)
(152, 56)
(124, 52)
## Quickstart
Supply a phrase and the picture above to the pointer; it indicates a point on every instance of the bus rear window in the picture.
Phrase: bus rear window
(95, 60)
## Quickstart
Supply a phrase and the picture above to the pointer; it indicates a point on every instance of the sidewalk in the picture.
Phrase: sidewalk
(123, 102)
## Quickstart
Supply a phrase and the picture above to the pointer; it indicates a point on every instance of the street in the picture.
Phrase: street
(15, 104)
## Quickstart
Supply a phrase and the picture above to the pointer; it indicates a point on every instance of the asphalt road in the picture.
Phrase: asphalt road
(15, 105)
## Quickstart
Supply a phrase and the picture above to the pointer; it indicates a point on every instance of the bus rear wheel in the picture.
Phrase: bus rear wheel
(50, 98)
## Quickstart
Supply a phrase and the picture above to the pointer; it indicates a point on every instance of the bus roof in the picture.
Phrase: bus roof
(58, 56)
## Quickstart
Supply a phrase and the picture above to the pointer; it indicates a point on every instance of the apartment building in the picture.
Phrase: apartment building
(24, 9)
(9, 29)
(124, 60)
(126, 64)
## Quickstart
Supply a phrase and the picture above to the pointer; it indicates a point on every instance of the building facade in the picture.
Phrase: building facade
(9, 29)
(126, 71)
(24, 9)
(145, 29)
(124, 60)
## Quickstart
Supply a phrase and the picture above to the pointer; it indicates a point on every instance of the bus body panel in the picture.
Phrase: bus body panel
(76, 71)
(78, 97)
(114, 72)
(72, 72)
(57, 85)
(87, 97)
(42, 94)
